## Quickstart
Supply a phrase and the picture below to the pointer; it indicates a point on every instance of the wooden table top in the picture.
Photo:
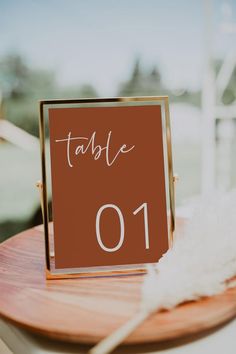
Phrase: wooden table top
(87, 310)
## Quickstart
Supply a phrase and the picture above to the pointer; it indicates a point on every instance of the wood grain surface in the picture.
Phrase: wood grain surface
(87, 310)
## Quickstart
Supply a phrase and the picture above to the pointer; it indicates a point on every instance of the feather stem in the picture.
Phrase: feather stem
(108, 344)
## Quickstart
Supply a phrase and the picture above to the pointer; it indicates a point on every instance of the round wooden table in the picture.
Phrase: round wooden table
(87, 310)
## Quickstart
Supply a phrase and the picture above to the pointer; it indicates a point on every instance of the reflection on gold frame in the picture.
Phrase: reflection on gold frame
(115, 270)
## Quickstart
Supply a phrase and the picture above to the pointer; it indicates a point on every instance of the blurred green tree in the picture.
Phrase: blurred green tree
(13, 76)
(141, 83)
(22, 87)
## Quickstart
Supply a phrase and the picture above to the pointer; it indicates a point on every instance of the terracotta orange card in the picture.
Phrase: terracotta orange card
(109, 200)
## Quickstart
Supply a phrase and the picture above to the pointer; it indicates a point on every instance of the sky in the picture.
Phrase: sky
(97, 41)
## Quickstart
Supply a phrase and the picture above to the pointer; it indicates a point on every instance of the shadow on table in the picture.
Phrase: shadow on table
(64, 347)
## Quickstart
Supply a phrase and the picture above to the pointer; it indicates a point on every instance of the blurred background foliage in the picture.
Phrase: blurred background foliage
(22, 86)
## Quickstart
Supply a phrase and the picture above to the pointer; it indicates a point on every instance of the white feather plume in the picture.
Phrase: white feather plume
(201, 260)
(200, 263)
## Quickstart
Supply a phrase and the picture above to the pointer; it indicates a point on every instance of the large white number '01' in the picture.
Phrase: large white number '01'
(122, 227)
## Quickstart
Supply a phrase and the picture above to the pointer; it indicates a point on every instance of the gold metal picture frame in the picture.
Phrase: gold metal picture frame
(44, 105)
